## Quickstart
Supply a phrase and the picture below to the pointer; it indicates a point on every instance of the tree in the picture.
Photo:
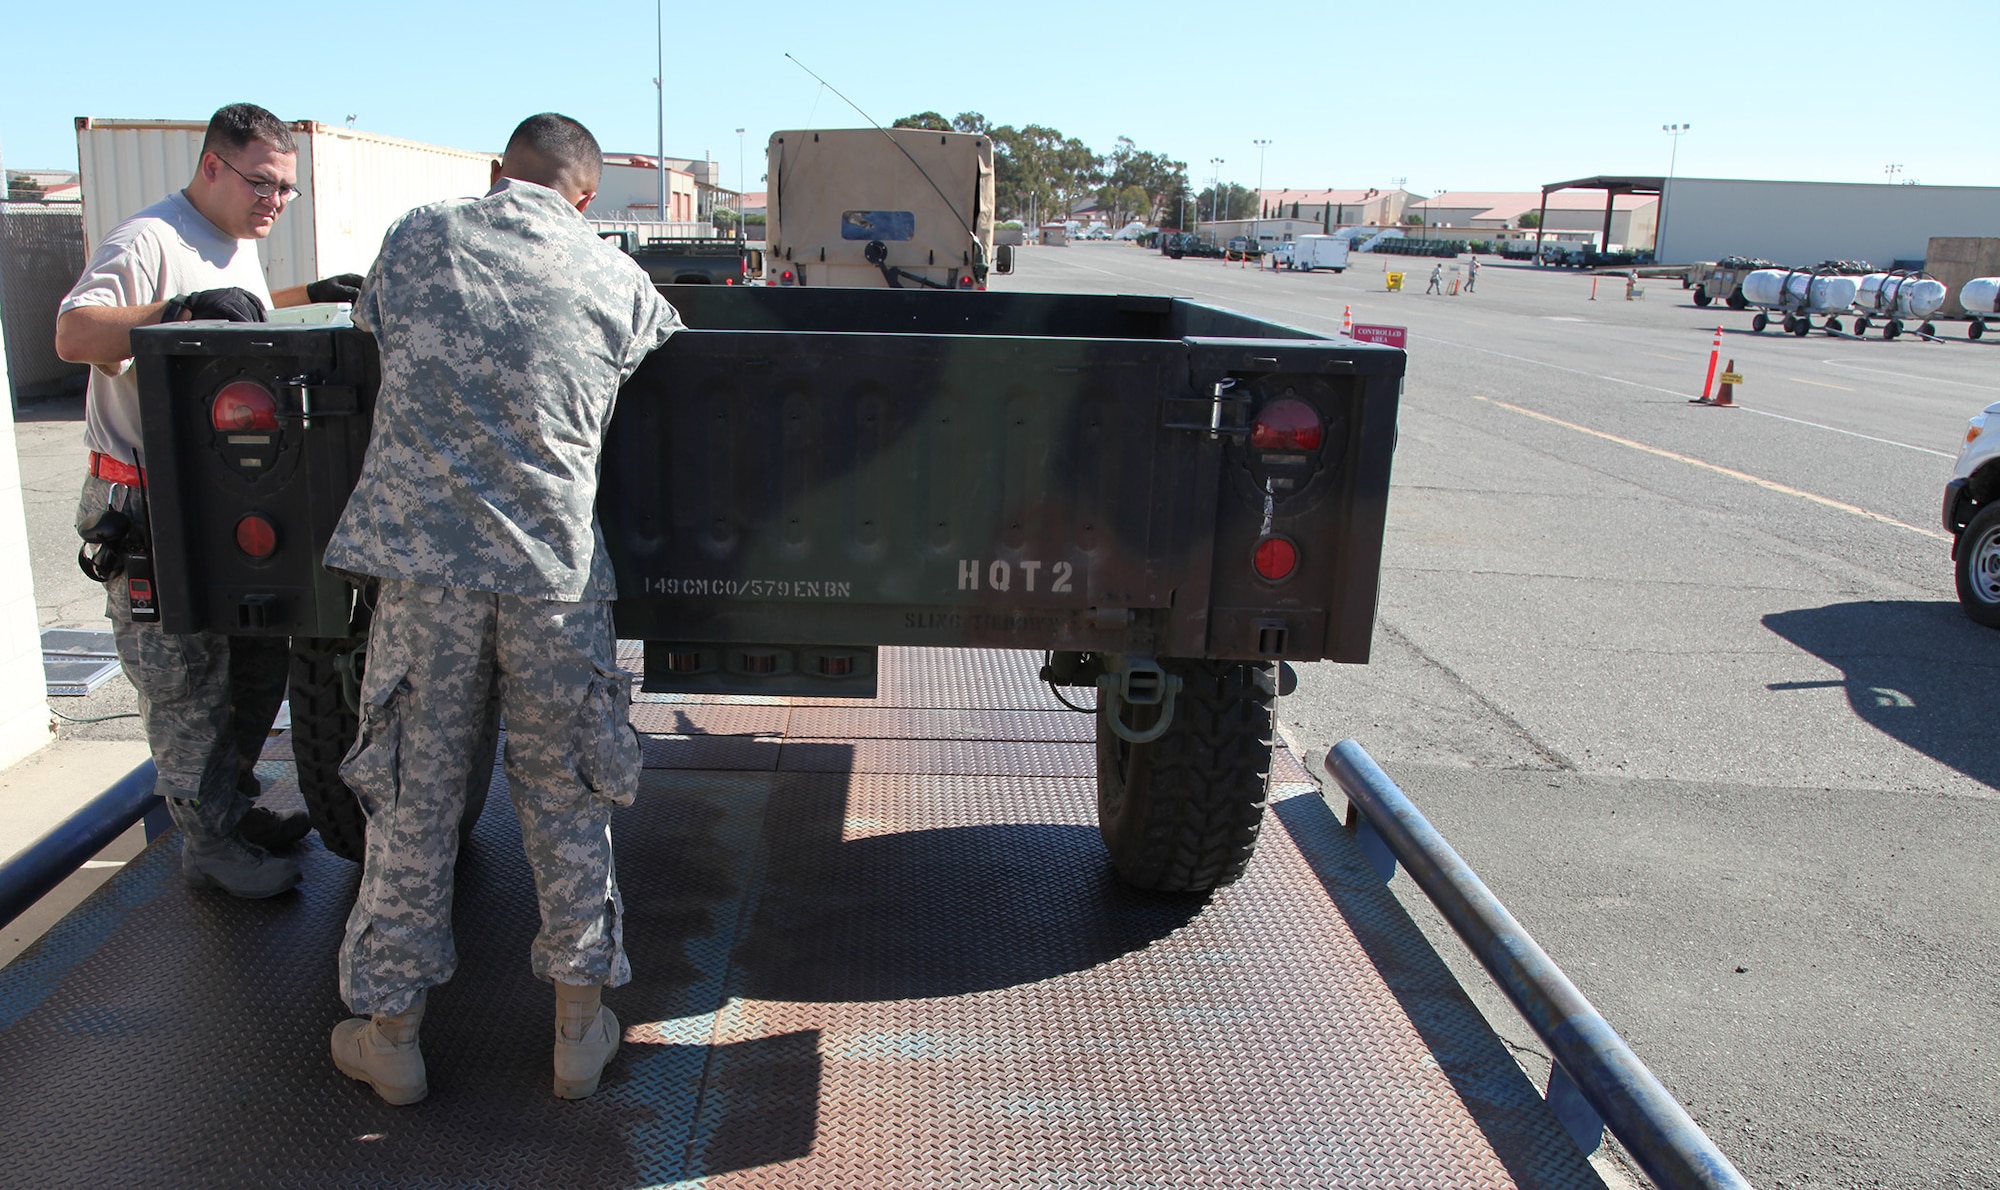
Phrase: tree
(1040, 173)
(1236, 202)
(1529, 219)
(1164, 181)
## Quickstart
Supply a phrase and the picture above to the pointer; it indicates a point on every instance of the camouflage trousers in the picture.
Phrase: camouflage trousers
(206, 700)
(435, 655)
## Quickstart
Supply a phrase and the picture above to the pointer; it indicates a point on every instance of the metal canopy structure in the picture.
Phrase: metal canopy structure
(1613, 186)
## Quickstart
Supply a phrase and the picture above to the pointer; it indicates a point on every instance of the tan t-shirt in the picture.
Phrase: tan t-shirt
(165, 251)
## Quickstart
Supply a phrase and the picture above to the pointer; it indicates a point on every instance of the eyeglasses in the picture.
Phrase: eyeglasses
(278, 190)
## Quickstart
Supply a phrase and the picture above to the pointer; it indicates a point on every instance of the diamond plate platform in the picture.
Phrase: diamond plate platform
(845, 976)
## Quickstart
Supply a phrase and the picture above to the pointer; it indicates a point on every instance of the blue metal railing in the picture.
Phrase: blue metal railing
(49, 860)
(1595, 1070)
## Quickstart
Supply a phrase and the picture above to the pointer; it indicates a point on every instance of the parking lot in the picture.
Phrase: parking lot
(1688, 686)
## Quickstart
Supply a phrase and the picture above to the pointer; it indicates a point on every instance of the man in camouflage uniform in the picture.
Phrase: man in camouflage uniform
(506, 326)
(207, 700)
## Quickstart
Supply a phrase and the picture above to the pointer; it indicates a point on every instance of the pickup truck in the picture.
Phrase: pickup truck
(1171, 501)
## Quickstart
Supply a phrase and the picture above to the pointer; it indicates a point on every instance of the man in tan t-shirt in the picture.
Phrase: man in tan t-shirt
(207, 700)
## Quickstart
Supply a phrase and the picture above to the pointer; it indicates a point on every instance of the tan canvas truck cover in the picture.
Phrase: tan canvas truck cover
(925, 197)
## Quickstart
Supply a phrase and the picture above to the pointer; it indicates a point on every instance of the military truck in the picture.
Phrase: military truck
(901, 208)
(712, 261)
(1722, 280)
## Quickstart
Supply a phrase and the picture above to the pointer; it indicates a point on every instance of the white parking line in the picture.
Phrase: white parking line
(1732, 473)
(1835, 363)
(1672, 393)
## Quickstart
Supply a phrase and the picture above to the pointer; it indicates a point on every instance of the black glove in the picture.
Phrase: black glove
(341, 287)
(229, 305)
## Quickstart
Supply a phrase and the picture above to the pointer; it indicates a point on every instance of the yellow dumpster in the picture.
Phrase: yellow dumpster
(1395, 282)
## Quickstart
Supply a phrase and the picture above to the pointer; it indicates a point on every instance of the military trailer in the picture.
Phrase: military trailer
(1171, 501)
(896, 208)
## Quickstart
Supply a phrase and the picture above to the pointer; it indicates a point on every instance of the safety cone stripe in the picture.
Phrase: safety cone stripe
(1708, 385)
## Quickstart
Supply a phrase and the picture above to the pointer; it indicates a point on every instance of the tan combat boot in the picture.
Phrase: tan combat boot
(586, 1038)
(382, 1052)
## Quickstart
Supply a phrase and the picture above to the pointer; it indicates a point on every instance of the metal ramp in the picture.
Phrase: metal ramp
(875, 945)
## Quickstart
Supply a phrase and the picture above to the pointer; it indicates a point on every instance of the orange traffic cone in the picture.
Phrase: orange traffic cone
(1347, 321)
(1708, 385)
(1724, 395)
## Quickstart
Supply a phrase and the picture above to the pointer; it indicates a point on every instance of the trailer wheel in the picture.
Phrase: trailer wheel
(1928, 330)
(1701, 297)
(1802, 327)
(1891, 329)
(1861, 326)
(1736, 299)
(1977, 567)
(1790, 324)
(1758, 323)
(1181, 814)
(323, 728)
(1833, 324)
(1976, 331)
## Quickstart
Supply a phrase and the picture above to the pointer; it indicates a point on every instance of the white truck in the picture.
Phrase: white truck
(1317, 252)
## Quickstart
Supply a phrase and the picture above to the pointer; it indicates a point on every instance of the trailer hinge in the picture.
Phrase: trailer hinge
(1220, 414)
(310, 399)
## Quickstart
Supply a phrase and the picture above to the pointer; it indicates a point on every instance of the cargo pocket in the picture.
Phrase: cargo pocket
(157, 663)
(370, 768)
(607, 748)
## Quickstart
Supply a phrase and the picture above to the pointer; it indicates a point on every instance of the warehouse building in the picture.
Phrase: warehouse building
(1798, 223)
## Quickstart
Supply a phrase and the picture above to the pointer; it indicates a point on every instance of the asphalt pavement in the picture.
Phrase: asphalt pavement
(1689, 688)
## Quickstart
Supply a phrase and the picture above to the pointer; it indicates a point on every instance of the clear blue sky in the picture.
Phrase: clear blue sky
(1487, 96)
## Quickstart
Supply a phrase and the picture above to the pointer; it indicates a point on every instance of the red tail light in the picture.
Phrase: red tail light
(1287, 424)
(1275, 558)
(785, 278)
(965, 282)
(256, 536)
(242, 406)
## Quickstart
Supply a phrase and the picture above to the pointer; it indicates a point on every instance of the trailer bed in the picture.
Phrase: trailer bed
(875, 944)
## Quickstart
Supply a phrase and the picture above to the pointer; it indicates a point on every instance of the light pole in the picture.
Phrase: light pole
(1215, 192)
(1261, 146)
(660, 89)
(1677, 131)
(742, 231)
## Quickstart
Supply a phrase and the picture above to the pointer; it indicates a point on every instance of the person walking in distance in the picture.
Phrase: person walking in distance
(506, 326)
(1471, 273)
(1437, 280)
(206, 700)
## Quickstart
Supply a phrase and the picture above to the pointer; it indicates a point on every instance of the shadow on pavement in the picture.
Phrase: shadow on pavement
(1918, 671)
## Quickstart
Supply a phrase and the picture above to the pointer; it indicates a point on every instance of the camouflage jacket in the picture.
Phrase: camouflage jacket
(506, 326)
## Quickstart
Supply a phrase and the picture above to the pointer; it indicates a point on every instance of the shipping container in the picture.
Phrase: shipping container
(352, 186)
(1955, 260)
